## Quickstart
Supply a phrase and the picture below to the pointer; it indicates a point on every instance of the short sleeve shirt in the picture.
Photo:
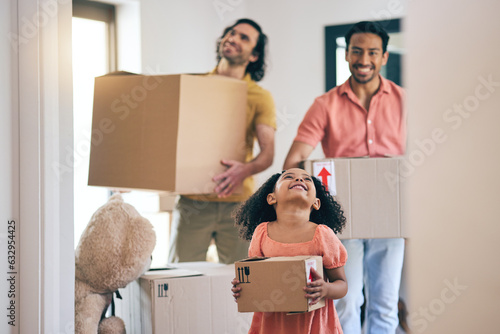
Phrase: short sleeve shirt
(260, 110)
(345, 129)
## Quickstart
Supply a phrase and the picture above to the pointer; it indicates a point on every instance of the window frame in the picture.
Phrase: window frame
(99, 11)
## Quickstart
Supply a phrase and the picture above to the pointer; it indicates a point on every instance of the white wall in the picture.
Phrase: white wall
(453, 194)
(180, 37)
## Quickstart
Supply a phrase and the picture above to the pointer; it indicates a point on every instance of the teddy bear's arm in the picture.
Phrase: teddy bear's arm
(88, 310)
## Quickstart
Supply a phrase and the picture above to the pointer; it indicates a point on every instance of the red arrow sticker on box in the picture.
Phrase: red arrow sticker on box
(324, 174)
(325, 171)
(311, 263)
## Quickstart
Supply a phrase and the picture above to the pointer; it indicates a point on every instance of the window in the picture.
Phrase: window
(93, 55)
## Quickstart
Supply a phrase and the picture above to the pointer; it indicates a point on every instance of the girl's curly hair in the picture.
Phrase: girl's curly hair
(256, 210)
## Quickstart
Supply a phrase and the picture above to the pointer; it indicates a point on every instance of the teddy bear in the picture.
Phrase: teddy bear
(114, 250)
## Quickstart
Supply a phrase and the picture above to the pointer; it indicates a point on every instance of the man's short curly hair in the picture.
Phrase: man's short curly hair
(256, 210)
(257, 69)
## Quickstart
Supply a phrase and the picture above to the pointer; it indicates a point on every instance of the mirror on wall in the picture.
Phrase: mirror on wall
(337, 69)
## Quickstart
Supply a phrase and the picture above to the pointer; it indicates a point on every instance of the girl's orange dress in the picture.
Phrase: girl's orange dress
(321, 321)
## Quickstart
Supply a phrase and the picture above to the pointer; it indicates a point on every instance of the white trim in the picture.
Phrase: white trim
(45, 129)
(30, 187)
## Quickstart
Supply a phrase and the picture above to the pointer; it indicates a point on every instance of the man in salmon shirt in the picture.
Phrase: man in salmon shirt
(362, 117)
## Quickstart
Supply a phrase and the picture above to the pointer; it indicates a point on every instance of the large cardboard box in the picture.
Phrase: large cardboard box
(170, 301)
(370, 192)
(224, 310)
(165, 132)
(194, 298)
(276, 284)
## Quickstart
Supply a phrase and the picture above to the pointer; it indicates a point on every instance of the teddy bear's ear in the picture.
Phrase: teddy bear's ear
(135, 255)
(115, 248)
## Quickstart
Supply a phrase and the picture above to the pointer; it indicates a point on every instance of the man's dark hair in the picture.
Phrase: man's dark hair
(256, 69)
(368, 27)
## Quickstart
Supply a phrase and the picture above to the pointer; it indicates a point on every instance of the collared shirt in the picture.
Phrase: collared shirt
(346, 129)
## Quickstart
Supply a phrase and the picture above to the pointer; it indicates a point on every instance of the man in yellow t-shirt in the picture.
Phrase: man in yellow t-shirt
(196, 220)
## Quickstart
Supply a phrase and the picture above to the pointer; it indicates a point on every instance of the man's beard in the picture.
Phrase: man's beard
(363, 81)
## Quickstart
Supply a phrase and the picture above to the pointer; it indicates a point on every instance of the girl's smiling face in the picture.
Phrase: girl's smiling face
(294, 184)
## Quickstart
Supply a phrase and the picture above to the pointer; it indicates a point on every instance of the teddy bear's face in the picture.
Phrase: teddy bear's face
(115, 248)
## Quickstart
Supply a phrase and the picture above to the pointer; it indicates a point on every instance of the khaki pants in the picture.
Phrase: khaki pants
(196, 223)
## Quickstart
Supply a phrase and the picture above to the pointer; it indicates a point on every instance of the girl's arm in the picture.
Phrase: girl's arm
(335, 288)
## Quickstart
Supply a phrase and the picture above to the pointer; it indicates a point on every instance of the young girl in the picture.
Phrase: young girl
(292, 214)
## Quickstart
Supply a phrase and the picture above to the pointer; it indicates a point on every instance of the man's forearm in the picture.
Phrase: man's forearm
(265, 138)
(298, 152)
(261, 162)
(291, 162)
